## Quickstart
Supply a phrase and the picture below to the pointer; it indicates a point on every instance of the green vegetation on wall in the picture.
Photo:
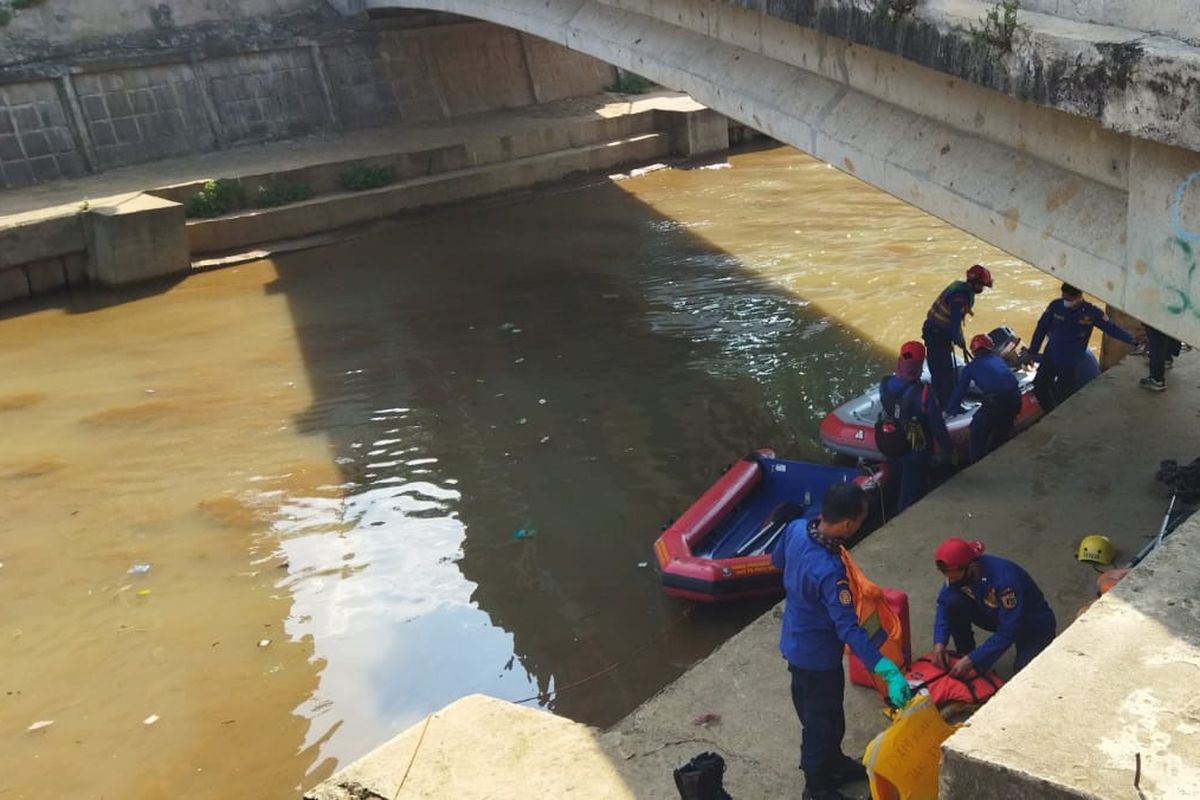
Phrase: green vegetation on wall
(213, 199)
(894, 10)
(360, 178)
(629, 83)
(8, 7)
(998, 26)
(272, 196)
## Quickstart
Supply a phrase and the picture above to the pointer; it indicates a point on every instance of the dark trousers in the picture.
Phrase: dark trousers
(939, 355)
(1053, 384)
(817, 696)
(1158, 347)
(912, 474)
(963, 613)
(993, 423)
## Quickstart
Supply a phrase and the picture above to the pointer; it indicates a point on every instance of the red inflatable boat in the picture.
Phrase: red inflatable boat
(720, 549)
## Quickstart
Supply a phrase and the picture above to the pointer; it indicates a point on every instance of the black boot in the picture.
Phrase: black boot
(845, 769)
(701, 778)
(821, 786)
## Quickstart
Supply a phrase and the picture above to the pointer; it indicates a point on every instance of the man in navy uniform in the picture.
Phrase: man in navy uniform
(993, 421)
(944, 328)
(1068, 322)
(994, 594)
(818, 621)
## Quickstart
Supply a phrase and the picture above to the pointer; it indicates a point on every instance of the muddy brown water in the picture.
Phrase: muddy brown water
(372, 478)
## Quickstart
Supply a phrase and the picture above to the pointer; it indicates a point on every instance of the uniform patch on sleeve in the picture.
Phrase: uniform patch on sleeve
(845, 598)
(1008, 599)
(990, 600)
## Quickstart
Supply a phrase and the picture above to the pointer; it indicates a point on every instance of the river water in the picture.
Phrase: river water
(372, 478)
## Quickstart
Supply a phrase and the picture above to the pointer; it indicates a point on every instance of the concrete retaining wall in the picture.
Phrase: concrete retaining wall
(99, 115)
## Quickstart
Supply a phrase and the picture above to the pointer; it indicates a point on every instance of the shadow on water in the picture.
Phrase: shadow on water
(554, 375)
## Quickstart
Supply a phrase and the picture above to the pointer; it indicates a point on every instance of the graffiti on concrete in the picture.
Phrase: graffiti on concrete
(1180, 297)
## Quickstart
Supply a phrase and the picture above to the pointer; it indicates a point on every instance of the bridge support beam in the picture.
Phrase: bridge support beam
(1118, 216)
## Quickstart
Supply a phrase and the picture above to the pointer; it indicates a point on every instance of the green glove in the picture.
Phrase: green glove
(898, 692)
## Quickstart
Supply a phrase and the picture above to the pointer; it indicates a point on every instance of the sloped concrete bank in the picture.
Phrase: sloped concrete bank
(103, 240)
(1086, 468)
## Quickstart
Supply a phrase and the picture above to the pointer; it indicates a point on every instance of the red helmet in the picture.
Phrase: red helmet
(980, 273)
(981, 341)
(912, 351)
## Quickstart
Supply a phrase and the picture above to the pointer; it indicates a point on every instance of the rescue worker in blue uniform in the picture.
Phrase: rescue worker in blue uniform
(944, 328)
(1068, 322)
(818, 621)
(994, 594)
(905, 397)
(993, 421)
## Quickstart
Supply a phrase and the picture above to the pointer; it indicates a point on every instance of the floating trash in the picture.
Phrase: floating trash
(264, 642)
(541, 401)
(143, 592)
(524, 533)
(150, 720)
(40, 724)
(518, 360)
(139, 569)
(545, 439)
(643, 564)
(523, 421)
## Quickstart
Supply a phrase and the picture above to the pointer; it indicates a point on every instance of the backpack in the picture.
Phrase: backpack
(898, 431)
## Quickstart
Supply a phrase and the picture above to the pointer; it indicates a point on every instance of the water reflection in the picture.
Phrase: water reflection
(437, 455)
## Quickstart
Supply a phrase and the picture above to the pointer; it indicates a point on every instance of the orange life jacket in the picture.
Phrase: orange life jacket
(877, 618)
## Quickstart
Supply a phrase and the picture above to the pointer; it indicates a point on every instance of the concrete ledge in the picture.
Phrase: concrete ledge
(351, 208)
(1122, 681)
(136, 239)
(38, 236)
(467, 750)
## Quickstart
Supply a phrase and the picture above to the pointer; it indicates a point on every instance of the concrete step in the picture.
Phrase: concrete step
(343, 209)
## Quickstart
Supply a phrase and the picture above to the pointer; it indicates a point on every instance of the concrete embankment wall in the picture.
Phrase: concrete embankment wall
(76, 112)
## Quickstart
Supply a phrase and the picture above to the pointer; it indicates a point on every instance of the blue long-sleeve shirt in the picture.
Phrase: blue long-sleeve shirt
(819, 615)
(987, 371)
(1069, 330)
(1006, 597)
(927, 410)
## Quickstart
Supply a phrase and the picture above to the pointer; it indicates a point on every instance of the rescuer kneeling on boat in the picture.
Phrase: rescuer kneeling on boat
(818, 620)
(994, 594)
(993, 421)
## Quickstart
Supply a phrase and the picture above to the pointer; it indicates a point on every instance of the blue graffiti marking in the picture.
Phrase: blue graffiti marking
(1180, 190)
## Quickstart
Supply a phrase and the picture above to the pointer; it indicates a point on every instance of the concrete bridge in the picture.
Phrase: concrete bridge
(1072, 144)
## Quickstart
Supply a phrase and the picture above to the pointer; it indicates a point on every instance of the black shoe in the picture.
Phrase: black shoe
(846, 770)
(823, 794)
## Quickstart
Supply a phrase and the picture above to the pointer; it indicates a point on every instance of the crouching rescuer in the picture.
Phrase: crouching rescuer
(819, 619)
(994, 594)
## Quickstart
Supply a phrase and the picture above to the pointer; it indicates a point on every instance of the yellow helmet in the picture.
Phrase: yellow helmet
(1096, 548)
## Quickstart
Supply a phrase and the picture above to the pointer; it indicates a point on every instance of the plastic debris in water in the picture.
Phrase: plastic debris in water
(524, 533)
(143, 592)
(139, 569)
(41, 723)
(542, 401)
(522, 421)
(643, 563)
(150, 720)
(545, 439)
(264, 642)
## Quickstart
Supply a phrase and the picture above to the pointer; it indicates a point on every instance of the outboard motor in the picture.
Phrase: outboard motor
(1007, 344)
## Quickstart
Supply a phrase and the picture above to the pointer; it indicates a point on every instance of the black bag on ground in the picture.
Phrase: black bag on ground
(701, 778)
(897, 431)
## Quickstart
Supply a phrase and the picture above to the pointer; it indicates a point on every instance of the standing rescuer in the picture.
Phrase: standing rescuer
(944, 328)
(916, 410)
(994, 594)
(993, 421)
(818, 621)
(1068, 322)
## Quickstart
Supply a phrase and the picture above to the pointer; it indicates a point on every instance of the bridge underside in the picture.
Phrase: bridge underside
(1117, 215)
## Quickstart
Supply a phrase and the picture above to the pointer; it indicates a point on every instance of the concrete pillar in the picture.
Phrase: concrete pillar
(314, 51)
(1113, 350)
(697, 133)
(135, 240)
(79, 128)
